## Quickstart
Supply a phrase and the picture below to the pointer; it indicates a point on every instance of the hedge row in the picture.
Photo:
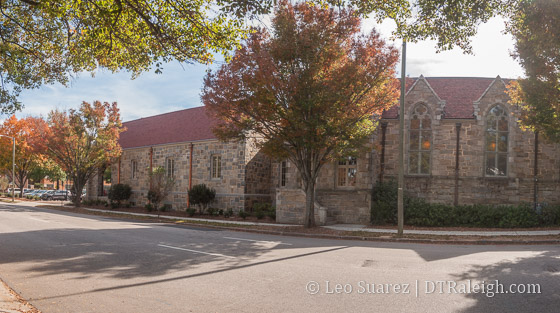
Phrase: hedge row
(420, 213)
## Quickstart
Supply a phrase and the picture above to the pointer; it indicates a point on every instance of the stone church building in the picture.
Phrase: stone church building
(463, 145)
(183, 144)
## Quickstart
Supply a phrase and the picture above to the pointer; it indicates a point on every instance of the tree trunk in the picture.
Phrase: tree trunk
(78, 186)
(310, 204)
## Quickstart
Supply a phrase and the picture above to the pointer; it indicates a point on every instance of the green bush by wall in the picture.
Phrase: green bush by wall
(420, 213)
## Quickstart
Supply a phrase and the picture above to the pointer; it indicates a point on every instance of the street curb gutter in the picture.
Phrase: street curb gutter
(12, 302)
(383, 239)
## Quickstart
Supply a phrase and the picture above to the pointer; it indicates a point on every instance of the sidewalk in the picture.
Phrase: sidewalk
(10, 302)
(338, 227)
(364, 228)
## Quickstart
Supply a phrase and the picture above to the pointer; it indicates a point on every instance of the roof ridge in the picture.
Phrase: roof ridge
(166, 113)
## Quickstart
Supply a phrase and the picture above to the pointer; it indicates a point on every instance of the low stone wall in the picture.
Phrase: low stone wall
(290, 207)
(346, 206)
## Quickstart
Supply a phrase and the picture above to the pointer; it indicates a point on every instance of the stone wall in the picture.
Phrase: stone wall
(258, 182)
(474, 186)
(343, 204)
(352, 205)
(232, 189)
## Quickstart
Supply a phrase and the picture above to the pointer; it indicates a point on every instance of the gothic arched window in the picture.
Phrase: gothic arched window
(420, 143)
(496, 148)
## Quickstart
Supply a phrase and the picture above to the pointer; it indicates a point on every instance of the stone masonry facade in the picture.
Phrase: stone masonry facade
(463, 145)
(446, 181)
(242, 170)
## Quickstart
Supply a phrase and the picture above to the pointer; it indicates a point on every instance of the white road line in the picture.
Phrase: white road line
(36, 219)
(196, 251)
(277, 242)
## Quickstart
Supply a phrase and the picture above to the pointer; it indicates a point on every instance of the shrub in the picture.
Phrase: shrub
(160, 186)
(115, 205)
(259, 214)
(211, 211)
(264, 209)
(243, 214)
(191, 211)
(201, 196)
(149, 207)
(118, 193)
(228, 213)
(221, 212)
(272, 213)
(166, 207)
(384, 203)
(418, 212)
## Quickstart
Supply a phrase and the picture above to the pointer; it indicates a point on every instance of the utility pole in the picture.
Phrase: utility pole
(400, 193)
(13, 167)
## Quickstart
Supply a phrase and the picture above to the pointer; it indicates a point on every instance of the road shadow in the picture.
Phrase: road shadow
(527, 284)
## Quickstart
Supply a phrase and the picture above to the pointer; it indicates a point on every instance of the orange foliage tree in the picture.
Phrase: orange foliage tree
(83, 141)
(311, 87)
(29, 152)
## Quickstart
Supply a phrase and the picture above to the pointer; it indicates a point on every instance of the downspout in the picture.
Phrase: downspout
(535, 172)
(456, 196)
(151, 163)
(119, 172)
(383, 136)
(190, 176)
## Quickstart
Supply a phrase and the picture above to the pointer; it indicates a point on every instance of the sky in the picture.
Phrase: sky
(180, 85)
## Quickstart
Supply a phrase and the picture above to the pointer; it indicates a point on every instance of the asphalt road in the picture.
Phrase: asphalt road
(65, 262)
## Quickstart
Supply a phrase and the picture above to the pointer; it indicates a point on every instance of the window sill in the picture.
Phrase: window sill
(418, 175)
(496, 177)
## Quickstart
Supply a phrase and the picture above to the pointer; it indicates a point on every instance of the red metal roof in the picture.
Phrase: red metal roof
(194, 125)
(459, 93)
(179, 126)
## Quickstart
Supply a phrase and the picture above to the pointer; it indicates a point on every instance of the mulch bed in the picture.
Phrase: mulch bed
(184, 214)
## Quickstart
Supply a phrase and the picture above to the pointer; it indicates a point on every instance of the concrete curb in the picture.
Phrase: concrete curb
(385, 239)
(11, 302)
(526, 241)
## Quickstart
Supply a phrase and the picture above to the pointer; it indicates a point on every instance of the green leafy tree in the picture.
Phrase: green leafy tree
(48, 41)
(160, 186)
(83, 141)
(536, 28)
(310, 89)
(47, 169)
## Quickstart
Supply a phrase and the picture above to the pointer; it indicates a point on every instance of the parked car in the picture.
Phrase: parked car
(39, 193)
(29, 192)
(55, 195)
(9, 190)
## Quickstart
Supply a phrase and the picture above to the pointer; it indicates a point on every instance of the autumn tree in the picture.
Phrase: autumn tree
(310, 88)
(29, 150)
(536, 29)
(48, 41)
(83, 141)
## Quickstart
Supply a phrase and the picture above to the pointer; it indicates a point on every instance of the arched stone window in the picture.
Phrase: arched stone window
(420, 141)
(496, 148)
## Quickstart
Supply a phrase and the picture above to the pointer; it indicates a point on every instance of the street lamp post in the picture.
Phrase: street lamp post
(13, 167)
